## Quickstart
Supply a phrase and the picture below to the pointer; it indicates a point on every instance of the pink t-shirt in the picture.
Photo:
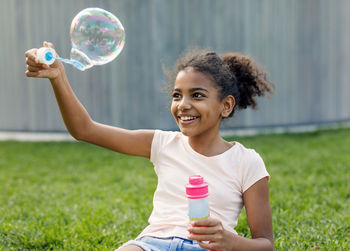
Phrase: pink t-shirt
(228, 174)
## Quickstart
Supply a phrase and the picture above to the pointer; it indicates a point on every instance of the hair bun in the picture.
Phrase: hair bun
(251, 79)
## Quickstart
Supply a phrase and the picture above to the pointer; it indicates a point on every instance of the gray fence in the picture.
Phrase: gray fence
(304, 45)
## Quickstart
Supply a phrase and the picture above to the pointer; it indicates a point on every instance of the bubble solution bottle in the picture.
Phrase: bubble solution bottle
(197, 194)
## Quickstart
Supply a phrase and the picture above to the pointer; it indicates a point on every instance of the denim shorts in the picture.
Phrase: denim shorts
(148, 243)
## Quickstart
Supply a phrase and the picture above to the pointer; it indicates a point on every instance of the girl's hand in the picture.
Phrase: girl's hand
(210, 234)
(36, 69)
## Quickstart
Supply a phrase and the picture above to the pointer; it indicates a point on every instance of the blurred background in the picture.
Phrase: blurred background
(303, 45)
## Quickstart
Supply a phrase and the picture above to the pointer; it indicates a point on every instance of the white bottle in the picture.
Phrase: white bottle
(46, 55)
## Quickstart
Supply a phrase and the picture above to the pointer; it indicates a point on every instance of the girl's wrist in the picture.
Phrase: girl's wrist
(58, 78)
(236, 242)
(230, 240)
(59, 73)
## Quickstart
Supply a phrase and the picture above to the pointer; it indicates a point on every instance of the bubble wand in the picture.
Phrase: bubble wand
(47, 55)
(97, 37)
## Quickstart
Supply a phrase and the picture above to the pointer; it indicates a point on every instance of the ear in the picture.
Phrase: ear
(228, 104)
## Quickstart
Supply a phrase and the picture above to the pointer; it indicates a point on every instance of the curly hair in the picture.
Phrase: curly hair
(234, 74)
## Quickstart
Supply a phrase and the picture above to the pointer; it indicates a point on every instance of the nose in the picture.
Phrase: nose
(184, 104)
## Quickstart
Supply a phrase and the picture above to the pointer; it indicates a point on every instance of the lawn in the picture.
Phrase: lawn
(75, 196)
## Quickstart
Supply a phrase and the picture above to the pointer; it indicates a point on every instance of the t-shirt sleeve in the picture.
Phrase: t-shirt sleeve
(253, 170)
(160, 140)
(155, 145)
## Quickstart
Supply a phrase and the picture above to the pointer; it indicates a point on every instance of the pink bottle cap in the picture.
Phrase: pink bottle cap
(197, 188)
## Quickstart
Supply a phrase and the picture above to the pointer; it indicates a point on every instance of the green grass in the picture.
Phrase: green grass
(75, 196)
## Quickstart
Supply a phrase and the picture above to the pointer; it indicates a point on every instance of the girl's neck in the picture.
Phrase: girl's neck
(209, 146)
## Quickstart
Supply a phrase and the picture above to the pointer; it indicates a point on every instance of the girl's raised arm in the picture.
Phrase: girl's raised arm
(78, 121)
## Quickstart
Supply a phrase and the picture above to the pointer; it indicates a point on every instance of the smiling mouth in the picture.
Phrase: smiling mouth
(187, 119)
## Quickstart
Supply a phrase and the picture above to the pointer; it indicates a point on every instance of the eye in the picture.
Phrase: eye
(198, 95)
(176, 95)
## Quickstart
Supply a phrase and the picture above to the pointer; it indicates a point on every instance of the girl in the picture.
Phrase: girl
(206, 89)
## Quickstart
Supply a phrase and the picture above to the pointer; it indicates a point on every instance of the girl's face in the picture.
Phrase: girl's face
(196, 105)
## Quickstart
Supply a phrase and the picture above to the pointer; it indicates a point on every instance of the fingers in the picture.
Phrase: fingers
(208, 232)
(33, 64)
(205, 230)
(35, 68)
(208, 222)
(210, 242)
(48, 44)
(31, 55)
(32, 74)
(207, 237)
(206, 226)
(39, 74)
(33, 61)
(210, 246)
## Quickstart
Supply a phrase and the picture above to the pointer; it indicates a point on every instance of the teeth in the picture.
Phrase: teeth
(187, 118)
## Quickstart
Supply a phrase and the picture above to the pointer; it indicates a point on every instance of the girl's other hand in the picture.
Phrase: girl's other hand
(210, 234)
(37, 69)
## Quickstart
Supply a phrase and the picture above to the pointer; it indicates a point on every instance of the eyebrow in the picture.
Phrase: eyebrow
(192, 89)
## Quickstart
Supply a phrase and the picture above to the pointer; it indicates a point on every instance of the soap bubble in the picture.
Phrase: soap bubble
(97, 37)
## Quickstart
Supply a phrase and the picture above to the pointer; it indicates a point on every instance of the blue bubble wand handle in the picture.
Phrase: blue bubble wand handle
(47, 55)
